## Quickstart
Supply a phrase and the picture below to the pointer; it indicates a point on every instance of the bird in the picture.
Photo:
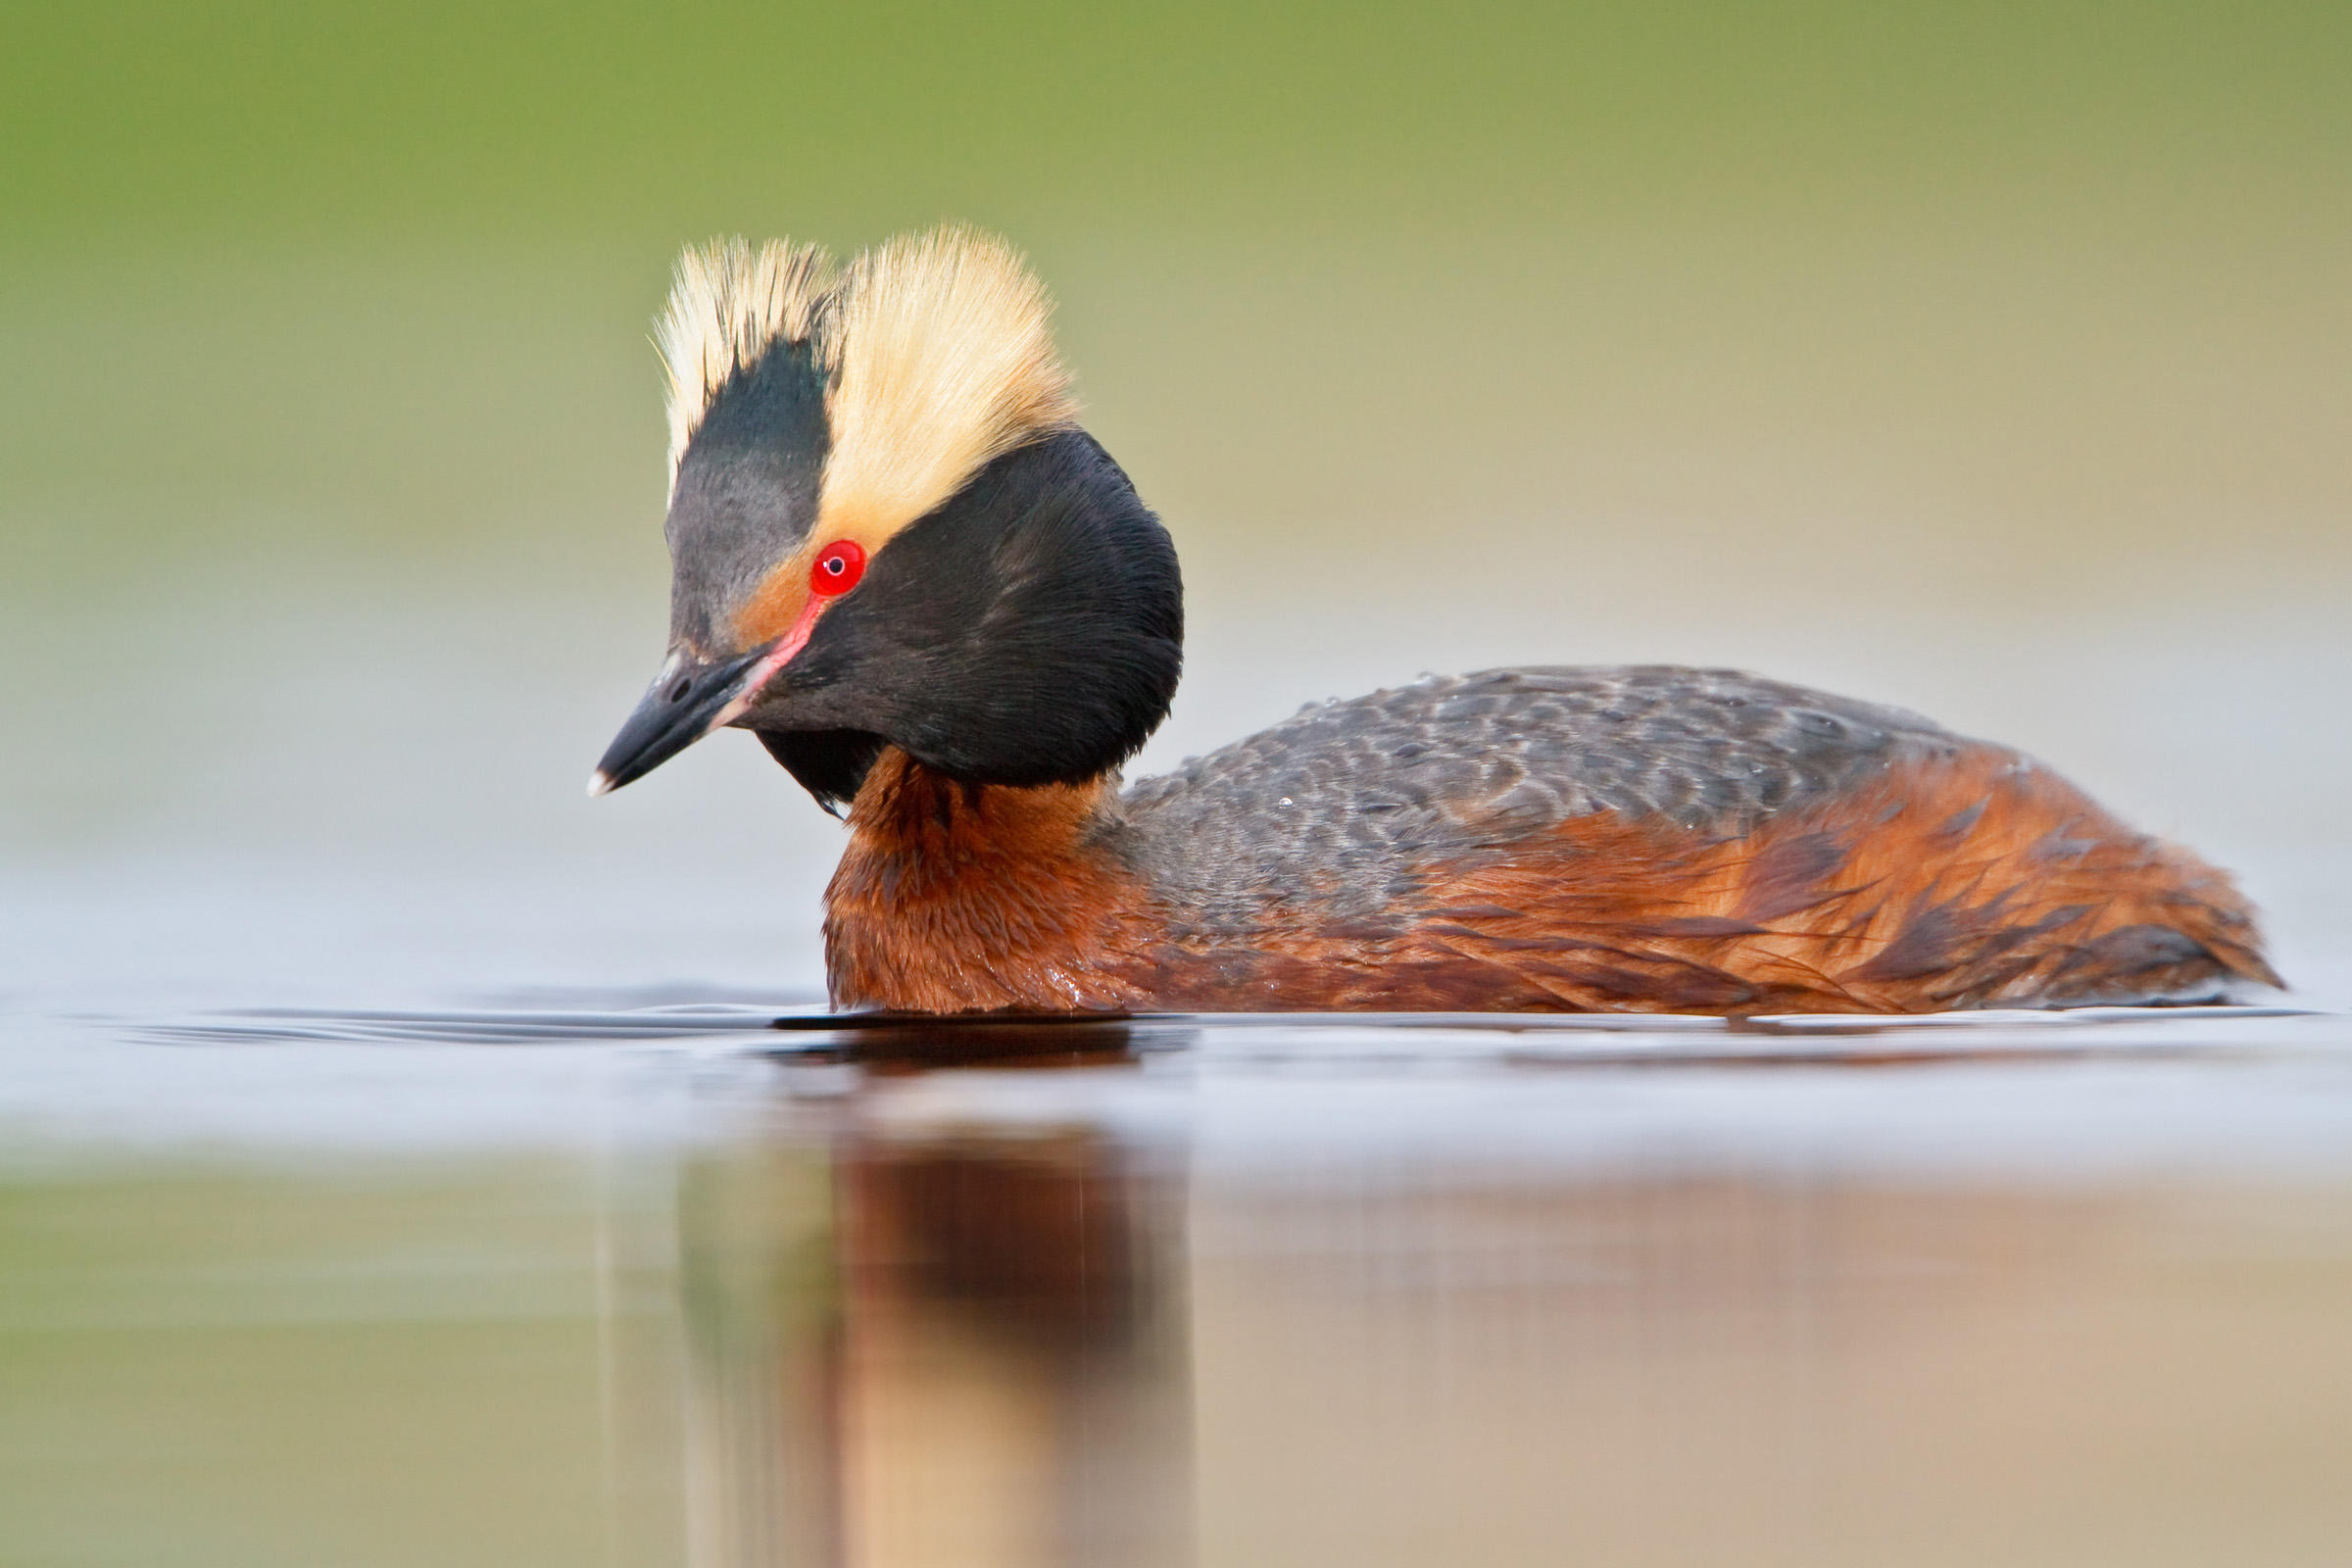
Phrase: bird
(900, 561)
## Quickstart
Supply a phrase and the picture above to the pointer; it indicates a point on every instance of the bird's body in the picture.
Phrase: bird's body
(1587, 840)
(1651, 839)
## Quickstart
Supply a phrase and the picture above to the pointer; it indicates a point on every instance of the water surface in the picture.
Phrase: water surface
(668, 1285)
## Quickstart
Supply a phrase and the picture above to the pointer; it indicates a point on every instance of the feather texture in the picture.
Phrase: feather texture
(943, 362)
(936, 346)
(728, 302)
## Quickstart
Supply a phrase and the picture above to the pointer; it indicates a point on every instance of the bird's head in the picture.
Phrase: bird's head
(887, 528)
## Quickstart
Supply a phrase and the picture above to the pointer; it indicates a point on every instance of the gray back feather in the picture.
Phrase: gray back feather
(1338, 808)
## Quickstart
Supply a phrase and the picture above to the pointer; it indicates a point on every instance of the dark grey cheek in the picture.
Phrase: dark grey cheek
(690, 619)
(733, 515)
(825, 688)
(746, 490)
(714, 572)
(788, 704)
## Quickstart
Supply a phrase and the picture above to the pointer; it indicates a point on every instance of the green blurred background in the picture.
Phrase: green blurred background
(1993, 360)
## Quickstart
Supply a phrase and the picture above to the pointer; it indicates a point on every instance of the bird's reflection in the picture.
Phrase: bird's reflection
(1099, 1314)
(936, 1347)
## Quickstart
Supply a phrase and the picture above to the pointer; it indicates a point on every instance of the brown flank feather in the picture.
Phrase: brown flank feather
(1961, 882)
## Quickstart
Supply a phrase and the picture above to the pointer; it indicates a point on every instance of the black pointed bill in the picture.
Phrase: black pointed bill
(689, 700)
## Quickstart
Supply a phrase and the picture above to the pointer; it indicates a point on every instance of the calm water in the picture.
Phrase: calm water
(662, 1284)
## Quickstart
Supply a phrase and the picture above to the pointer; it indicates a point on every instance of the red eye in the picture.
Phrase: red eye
(837, 567)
